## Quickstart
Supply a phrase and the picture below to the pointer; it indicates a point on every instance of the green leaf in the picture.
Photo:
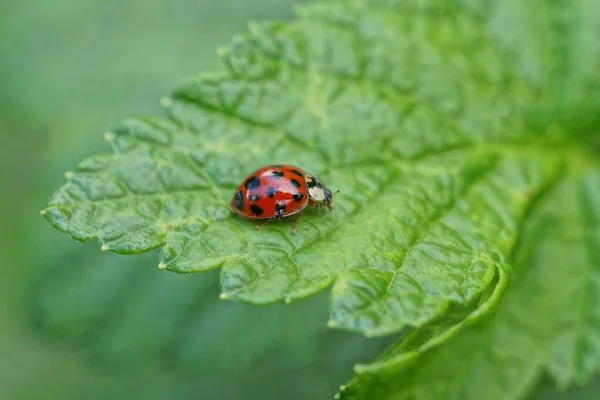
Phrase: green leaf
(444, 125)
(548, 320)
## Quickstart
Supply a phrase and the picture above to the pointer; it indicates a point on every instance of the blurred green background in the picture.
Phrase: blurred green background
(78, 323)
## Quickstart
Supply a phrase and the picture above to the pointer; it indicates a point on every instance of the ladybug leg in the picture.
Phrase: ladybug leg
(261, 224)
(295, 224)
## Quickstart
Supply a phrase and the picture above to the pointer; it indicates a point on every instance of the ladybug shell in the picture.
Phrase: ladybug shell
(274, 191)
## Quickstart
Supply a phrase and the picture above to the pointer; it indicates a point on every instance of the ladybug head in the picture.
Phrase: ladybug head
(328, 196)
(318, 193)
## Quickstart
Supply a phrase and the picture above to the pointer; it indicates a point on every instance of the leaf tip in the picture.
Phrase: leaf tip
(166, 102)
(162, 266)
(109, 136)
(331, 323)
(338, 395)
(68, 175)
(104, 247)
(224, 296)
(43, 212)
(287, 300)
(359, 368)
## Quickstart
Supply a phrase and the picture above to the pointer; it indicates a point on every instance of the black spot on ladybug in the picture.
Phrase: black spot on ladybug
(295, 171)
(253, 197)
(280, 209)
(239, 199)
(312, 182)
(252, 183)
(271, 192)
(296, 183)
(298, 196)
(277, 174)
(256, 210)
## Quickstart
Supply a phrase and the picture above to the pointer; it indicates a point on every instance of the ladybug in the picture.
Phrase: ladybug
(278, 191)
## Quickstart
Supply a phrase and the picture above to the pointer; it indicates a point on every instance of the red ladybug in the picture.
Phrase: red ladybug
(278, 191)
